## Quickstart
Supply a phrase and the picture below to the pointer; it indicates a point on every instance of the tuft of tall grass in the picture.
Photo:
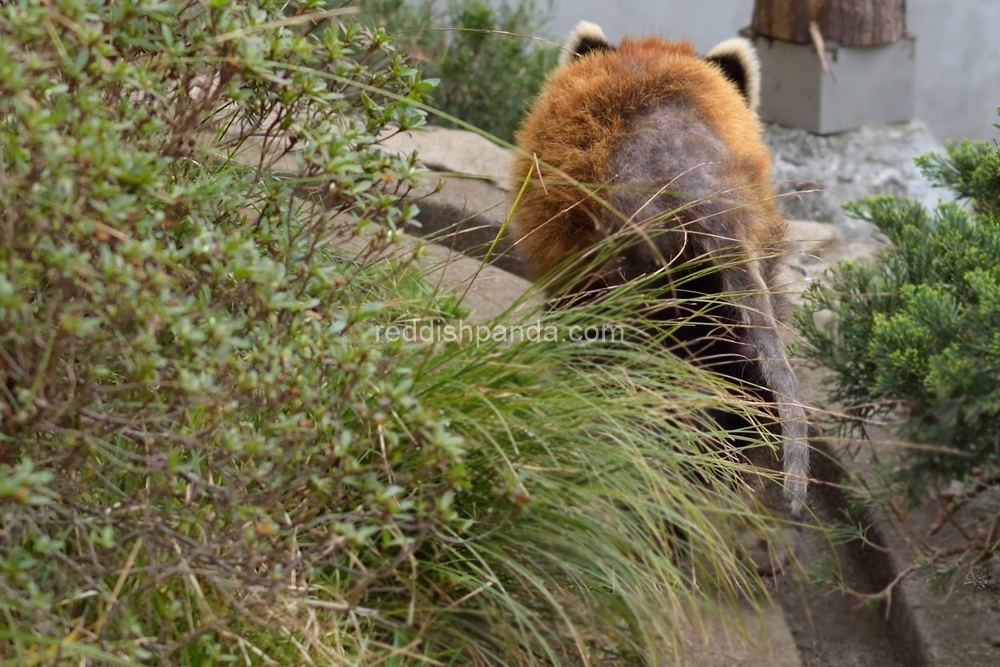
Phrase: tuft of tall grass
(598, 511)
(607, 523)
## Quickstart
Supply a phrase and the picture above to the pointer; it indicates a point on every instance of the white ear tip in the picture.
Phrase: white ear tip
(589, 30)
(585, 31)
(741, 49)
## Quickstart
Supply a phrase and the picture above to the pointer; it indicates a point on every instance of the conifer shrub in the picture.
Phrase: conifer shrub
(915, 336)
(209, 451)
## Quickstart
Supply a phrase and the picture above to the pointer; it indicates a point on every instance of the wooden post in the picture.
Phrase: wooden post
(845, 22)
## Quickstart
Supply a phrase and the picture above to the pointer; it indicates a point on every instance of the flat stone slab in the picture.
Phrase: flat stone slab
(813, 247)
(722, 645)
(454, 151)
(809, 235)
(489, 292)
(464, 202)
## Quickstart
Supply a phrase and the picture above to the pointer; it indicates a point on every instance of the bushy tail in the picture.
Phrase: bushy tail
(757, 312)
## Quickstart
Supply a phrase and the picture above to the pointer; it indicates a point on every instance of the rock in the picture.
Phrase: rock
(816, 174)
(488, 292)
(467, 216)
(823, 318)
(463, 202)
(813, 247)
(804, 242)
(454, 151)
(809, 235)
(754, 638)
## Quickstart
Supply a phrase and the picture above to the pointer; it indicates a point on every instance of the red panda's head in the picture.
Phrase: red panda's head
(736, 57)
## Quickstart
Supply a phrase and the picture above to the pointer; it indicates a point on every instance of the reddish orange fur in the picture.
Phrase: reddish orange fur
(584, 111)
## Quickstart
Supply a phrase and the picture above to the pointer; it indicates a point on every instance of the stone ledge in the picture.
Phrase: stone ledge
(454, 151)
(927, 629)
(469, 211)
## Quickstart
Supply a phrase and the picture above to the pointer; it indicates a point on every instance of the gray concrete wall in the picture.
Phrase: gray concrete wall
(958, 48)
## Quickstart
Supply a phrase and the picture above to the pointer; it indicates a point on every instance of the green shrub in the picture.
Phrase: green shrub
(917, 333)
(179, 394)
(207, 451)
(489, 58)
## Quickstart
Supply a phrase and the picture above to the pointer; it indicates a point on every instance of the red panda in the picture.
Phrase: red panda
(659, 150)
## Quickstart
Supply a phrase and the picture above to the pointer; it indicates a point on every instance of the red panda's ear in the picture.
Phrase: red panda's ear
(738, 61)
(586, 37)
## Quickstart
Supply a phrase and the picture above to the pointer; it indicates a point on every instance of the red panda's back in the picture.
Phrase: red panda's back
(587, 115)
